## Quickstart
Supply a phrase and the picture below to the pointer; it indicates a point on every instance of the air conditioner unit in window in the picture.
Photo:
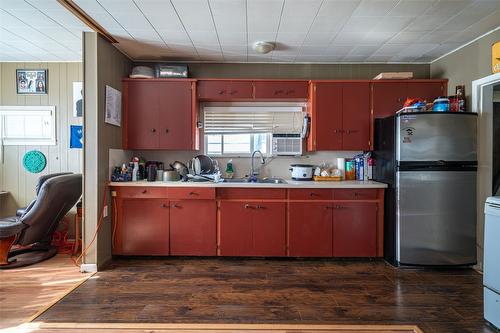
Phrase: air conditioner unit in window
(287, 144)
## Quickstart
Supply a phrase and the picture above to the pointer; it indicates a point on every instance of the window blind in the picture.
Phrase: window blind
(245, 120)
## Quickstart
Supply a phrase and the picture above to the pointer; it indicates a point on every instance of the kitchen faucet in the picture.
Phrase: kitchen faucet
(253, 173)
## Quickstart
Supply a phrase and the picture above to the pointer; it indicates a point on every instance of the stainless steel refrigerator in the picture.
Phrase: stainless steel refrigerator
(429, 161)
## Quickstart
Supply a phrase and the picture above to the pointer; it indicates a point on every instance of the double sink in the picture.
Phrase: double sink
(256, 180)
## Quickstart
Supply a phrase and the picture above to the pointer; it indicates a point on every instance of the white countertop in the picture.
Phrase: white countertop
(289, 184)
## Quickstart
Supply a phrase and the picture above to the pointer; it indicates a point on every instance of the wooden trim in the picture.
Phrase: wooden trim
(85, 18)
(195, 114)
(48, 306)
(380, 223)
(125, 96)
(221, 327)
(128, 79)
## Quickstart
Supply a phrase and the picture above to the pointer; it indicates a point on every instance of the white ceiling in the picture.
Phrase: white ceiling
(224, 30)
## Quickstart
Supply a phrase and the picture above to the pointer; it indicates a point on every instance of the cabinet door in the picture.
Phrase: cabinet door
(355, 229)
(281, 90)
(212, 90)
(235, 229)
(426, 90)
(269, 229)
(143, 227)
(388, 97)
(240, 90)
(143, 109)
(310, 229)
(328, 115)
(224, 90)
(356, 116)
(193, 227)
(175, 116)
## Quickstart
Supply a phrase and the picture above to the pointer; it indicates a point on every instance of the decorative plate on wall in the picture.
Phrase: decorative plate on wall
(34, 161)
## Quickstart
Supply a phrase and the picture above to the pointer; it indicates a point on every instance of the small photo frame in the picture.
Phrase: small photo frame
(31, 81)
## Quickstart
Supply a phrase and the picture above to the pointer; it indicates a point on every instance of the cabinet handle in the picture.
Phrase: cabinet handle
(277, 92)
(312, 194)
(290, 92)
(260, 207)
(336, 131)
(163, 206)
(175, 206)
(249, 206)
(153, 130)
(233, 92)
(222, 92)
(144, 191)
(400, 99)
(356, 194)
(166, 130)
(348, 131)
(193, 193)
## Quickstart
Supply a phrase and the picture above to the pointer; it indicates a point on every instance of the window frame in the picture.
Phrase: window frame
(26, 141)
(249, 154)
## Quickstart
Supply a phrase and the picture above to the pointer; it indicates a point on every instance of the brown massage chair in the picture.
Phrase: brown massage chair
(32, 228)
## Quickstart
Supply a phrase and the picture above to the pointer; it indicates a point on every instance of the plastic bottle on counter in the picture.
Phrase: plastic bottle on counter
(135, 170)
(229, 169)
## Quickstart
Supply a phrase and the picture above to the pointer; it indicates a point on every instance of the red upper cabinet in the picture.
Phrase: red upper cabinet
(427, 90)
(355, 229)
(193, 227)
(284, 90)
(340, 116)
(159, 114)
(224, 90)
(356, 116)
(326, 116)
(389, 97)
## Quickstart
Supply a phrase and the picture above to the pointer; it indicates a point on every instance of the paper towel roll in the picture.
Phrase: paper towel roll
(341, 166)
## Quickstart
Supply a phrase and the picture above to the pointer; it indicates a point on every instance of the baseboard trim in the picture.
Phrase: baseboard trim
(228, 327)
(88, 268)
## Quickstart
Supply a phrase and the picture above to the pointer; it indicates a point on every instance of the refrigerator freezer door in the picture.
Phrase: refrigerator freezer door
(436, 217)
(436, 137)
(491, 276)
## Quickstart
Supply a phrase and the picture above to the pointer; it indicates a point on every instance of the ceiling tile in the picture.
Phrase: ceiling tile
(411, 8)
(349, 37)
(339, 50)
(364, 50)
(194, 14)
(437, 36)
(337, 9)
(405, 37)
(392, 24)
(390, 49)
(374, 7)
(229, 15)
(264, 15)
(426, 23)
(363, 24)
(377, 37)
(448, 8)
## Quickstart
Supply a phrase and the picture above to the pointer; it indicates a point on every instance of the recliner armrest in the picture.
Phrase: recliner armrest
(20, 212)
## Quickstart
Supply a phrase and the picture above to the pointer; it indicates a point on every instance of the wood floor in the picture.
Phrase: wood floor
(177, 290)
(26, 291)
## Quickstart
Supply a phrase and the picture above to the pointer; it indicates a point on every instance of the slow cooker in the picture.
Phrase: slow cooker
(302, 171)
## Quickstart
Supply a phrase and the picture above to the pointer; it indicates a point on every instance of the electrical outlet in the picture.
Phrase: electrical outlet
(105, 211)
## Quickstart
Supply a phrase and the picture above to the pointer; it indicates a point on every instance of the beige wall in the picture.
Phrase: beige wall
(103, 65)
(13, 177)
(301, 71)
(462, 67)
(466, 65)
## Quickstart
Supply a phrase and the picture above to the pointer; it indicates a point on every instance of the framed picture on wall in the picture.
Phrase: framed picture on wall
(31, 81)
(77, 99)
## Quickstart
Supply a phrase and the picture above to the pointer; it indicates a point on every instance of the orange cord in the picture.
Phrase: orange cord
(99, 223)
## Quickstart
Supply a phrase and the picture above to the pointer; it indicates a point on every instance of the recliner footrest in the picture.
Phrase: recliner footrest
(10, 226)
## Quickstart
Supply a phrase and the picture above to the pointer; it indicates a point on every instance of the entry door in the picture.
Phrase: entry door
(436, 217)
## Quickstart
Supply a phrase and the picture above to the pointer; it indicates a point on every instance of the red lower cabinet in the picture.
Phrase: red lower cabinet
(310, 229)
(269, 229)
(355, 229)
(143, 227)
(252, 228)
(193, 227)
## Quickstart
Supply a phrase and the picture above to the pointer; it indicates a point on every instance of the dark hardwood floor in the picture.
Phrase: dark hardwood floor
(176, 290)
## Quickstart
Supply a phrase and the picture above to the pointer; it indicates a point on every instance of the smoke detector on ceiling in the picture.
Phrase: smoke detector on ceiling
(263, 47)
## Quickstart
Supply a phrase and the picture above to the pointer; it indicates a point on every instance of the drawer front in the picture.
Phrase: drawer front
(254, 193)
(191, 193)
(355, 194)
(240, 90)
(141, 192)
(212, 90)
(281, 90)
(311, 194)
